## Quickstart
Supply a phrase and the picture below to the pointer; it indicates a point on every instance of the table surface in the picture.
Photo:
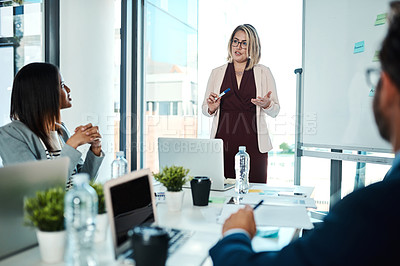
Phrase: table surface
(191, 217)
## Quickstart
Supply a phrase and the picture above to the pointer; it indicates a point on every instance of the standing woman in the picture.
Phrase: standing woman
(36, 131)
(239, 117)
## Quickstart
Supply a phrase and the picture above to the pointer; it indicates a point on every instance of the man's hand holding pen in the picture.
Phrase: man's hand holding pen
(242, 219)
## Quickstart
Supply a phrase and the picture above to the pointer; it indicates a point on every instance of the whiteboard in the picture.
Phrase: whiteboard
(337, 106)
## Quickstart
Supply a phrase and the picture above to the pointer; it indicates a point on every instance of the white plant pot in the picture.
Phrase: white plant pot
(174, 200)
(101, 227)
(51, 245)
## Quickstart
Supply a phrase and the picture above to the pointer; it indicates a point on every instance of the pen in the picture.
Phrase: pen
(292, 194)
(258, 204)
(223, 93)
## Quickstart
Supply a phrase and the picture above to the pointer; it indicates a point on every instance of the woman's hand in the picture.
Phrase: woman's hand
(96, 146)
(263, 102)
(86, 134)
(213, 102)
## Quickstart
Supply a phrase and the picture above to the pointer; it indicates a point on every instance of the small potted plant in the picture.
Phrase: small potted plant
(45, 212)
(173, 178)
(101, 219)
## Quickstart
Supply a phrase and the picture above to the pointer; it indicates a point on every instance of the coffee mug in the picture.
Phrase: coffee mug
(147, 241)
(200, 186)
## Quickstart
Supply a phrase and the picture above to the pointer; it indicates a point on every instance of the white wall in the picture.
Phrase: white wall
(86, 63)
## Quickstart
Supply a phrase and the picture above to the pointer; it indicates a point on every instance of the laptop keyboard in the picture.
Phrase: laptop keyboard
(177, 238)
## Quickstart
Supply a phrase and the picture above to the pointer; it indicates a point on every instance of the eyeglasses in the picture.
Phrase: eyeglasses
(235, 43)
(373, 76)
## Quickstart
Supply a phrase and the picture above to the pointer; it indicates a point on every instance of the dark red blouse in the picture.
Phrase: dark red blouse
(238, 127)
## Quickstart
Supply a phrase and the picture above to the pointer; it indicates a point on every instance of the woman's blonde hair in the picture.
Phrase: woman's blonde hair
(253, 45)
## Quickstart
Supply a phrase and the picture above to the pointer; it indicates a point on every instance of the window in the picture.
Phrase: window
(316, 172)
(21, 42)
(170, 74)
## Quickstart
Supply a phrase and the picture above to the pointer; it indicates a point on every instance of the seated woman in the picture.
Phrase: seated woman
(36, 131)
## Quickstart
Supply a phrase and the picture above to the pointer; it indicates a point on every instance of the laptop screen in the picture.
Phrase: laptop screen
(19, 181)
(132, 206)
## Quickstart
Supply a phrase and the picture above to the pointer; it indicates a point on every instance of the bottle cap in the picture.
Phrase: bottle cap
(81, 178)
(120, 153)
(242, 148)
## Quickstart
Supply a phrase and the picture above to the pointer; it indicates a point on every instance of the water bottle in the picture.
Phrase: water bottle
(242, 168)
(81, 204)
(119, 166)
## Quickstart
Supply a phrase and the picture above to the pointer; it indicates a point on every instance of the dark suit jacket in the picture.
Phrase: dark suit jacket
(361, 229)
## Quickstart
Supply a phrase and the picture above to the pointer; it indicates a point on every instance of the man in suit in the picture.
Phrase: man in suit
(364, 227)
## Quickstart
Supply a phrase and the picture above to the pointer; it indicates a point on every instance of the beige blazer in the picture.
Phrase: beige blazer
(264, 83)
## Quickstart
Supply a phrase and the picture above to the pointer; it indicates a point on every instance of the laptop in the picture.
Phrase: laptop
(19, 181)
(130, 201)
(203, 157)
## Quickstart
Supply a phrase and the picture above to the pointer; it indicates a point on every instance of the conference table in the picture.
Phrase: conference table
(203, 219)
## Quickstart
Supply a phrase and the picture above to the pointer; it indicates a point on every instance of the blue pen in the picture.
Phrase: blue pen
(258, 204)
(223, 93)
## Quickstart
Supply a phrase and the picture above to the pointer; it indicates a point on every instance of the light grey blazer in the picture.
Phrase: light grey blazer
(19, 144)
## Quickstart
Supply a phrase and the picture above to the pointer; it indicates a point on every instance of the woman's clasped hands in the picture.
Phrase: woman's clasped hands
(87, 134)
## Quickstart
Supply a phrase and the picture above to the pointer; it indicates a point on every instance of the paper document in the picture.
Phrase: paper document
(274, 191)
(268, 215)
(252, 199)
